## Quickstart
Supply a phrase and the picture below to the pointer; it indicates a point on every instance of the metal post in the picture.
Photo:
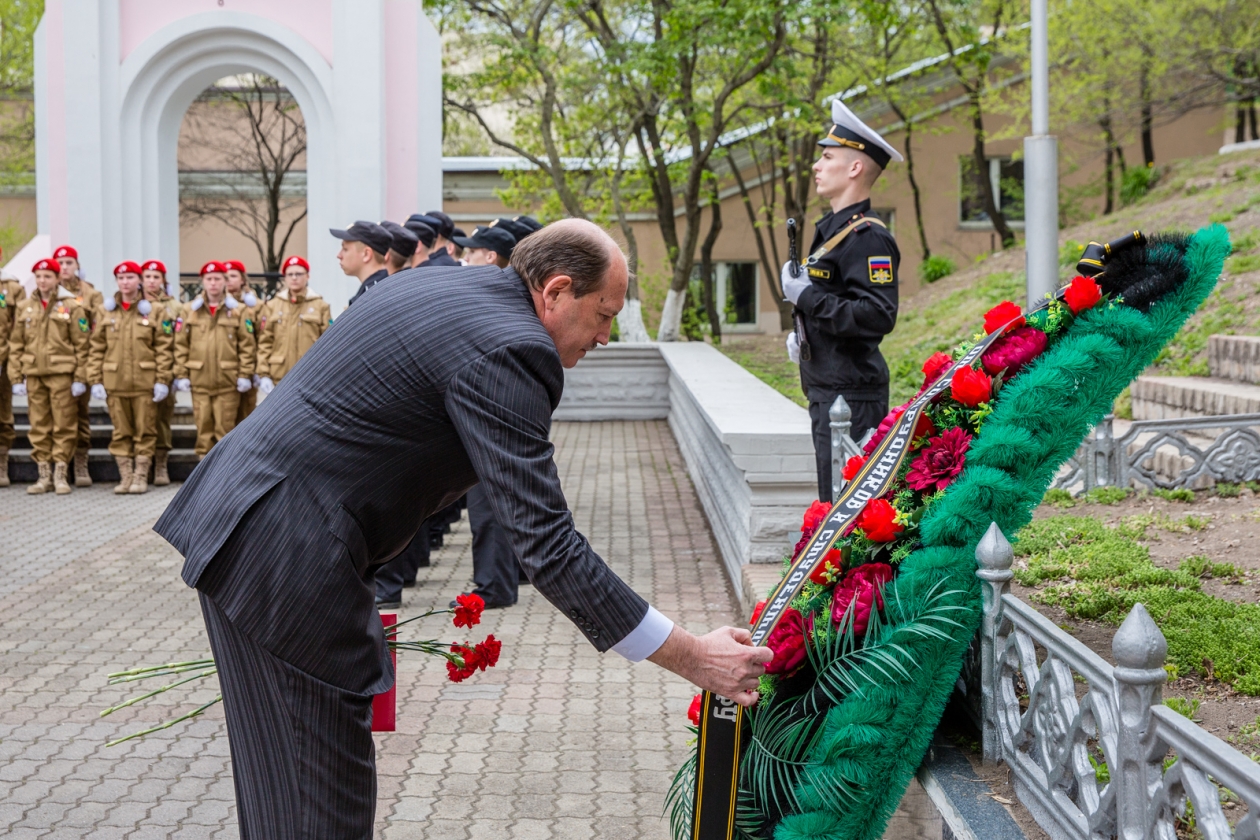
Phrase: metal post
(842, 446)
(1041, 173)
(994, 556)
(1139, 649)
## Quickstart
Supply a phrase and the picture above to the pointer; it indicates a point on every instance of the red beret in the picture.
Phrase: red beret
(212, 266)
(65, 251)
(155, 265)
(295, 260)
(234, 265)
(47, 265)
(126, 267)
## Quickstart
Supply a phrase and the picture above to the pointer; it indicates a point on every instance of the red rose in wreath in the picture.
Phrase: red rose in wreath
(829, 569)
(787, 640)
(934, 367)
(863, 589)
(1082, 293)
(970, 387)
(1005, 314)
(878, 522)
(852, 466)
(693, 711)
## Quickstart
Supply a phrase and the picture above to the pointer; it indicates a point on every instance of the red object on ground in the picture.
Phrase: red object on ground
(385, 706)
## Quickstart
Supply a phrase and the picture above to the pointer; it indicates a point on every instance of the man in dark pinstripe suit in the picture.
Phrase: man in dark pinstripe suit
(433, 381)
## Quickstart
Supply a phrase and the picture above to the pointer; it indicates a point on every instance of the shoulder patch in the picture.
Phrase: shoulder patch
(820, 273)
(880, 269)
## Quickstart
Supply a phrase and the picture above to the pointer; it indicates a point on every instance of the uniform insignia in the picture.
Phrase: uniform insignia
(249, 326)
(262, 323)
(167, 327)
(144, 322)
(820, 273)
(179, 324)
(880, 269)
(330, 322)
(83, 325)
(3, 303)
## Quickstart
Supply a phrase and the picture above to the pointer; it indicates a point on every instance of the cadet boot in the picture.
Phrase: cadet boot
(124, 474)
(4, 466)
(45, 482)
(161, 477)
(81, 477)
(60, 485)
(140, 478)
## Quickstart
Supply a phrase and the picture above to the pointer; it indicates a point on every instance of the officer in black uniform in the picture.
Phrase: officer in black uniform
(402, 247)
(846, 292)
(440, 248)
(368, 266)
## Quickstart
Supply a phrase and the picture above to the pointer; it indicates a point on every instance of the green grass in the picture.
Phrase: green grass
(1242, 263)
(1183, 706)
(1205, 567)
(1186, 355)
(1181, 494)
(779, 372)
(1098, 572)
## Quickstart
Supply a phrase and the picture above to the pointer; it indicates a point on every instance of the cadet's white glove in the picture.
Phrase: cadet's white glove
(793, 286)
(256, 380)
(183, 385)
(98, 392)
(160, 392)
(266, 385)
(77, 389)
(794, 347)
(243, 384)
(19, 389)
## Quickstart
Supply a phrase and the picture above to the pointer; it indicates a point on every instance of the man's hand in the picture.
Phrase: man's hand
(794, 286)
(266, 385)
(243, 384)
(77, 389)
(160, 391)
(98, 392)
(183, 384)
(723, 662)
(19, 389)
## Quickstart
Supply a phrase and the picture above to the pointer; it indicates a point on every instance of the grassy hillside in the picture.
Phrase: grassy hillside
(1188, 195)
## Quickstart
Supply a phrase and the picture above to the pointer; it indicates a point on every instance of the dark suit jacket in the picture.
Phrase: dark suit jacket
(435, 379)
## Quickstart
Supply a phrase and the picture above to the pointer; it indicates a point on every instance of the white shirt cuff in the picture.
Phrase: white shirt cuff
(647, 638)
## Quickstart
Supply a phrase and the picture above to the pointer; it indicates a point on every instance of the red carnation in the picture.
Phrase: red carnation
(829, 569)
(852, 466)
(468, 609)
(488, 652)
(934, 367)
(1005, 314)
(970, 387)
(470, 660)
(693, 711)
(1082, 293)
(1014, 350)
(787, 640)
(940, 461)
(761, 605)
(877, 521)
(863, 588)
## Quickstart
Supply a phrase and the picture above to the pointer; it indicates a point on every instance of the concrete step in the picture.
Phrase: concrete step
(1161, 397)
(1235, 357)
(101, 465)
(184, 436)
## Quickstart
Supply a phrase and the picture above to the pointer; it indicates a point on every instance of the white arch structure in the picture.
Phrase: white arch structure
(115, 77)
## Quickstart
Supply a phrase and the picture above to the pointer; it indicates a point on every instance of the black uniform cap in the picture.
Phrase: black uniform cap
(369, 233)
(495, 238)
(529, 222)
(519, 231)
(447, 227)
(425, 227)
(402, 241)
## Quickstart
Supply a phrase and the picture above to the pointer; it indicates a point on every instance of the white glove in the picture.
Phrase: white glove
(98, 392)
(160, 392)
(266, 385)
(256, 380)
(77, 389)
(183, 385)
(794, 286)
(243, 384)
(794, 348)
(19, 389)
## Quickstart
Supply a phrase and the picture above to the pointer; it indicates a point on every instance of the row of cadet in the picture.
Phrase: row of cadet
(67, 343)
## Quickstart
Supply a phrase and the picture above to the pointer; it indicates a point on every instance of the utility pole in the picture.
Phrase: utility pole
(1041, 173)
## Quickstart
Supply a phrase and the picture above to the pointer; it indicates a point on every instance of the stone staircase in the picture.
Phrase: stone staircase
(1232, 388)
(100, 463)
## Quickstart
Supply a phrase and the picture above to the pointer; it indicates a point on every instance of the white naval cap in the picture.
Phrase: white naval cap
(848, 130)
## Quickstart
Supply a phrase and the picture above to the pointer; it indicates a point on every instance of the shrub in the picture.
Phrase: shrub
(1227, 491)
(1107, 495)
(1058, 498)
(1137, 182)
(1070, 252)
(1187, 707)
(1181, 494)
(936, 267)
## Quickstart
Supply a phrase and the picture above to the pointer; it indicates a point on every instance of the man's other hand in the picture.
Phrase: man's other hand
(723, 662)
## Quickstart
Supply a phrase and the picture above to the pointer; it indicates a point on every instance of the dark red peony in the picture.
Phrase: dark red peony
(1011, 352)
(1082, 293)
(787, 640)
(970, 387)
(862, 588)
(877, 521)
(829, 570)
(936, 364)
(693, 711)
(1005, 314)
(852, 466)
(468, 609)
(940, 461)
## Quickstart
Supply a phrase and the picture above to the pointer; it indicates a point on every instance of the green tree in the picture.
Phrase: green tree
(18, 19)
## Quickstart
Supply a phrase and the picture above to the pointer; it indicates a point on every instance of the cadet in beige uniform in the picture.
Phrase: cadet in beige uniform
(90, 298)
(11, 294)
(289, 324)
(156, 292)
(130, 363)
(238, 287)
(214, 357)
(48, 364)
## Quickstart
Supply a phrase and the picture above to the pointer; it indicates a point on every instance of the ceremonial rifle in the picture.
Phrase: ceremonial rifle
(794, 268)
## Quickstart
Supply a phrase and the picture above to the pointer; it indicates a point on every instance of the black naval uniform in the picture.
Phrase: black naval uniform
(440, 257)
(371, 281)
(849, 307)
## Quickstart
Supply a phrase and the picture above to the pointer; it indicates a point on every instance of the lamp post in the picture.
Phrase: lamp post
(1041, 173)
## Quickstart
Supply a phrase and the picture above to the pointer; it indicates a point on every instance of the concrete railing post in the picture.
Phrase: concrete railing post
(994, 556)
(1139, 650)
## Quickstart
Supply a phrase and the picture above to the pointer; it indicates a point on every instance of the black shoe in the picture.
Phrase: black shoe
(388, 605)
(408, 584)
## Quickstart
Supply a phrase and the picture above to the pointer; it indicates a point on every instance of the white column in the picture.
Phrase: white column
(1041, 173)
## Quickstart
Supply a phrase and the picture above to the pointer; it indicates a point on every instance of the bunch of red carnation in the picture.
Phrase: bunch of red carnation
(463, 659)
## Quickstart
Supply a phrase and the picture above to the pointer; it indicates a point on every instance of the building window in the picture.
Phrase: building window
(1007, 178)
(737, 287)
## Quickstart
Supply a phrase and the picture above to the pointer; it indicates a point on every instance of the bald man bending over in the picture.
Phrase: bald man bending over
(439, 378)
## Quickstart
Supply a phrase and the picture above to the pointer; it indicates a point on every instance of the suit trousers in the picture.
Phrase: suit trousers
(496, 571)
(54, 417)
(165, 413)
(215, 416)
(303, 759)
(83, 438)
(867, 415)
(7, 431)
(135, 428)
